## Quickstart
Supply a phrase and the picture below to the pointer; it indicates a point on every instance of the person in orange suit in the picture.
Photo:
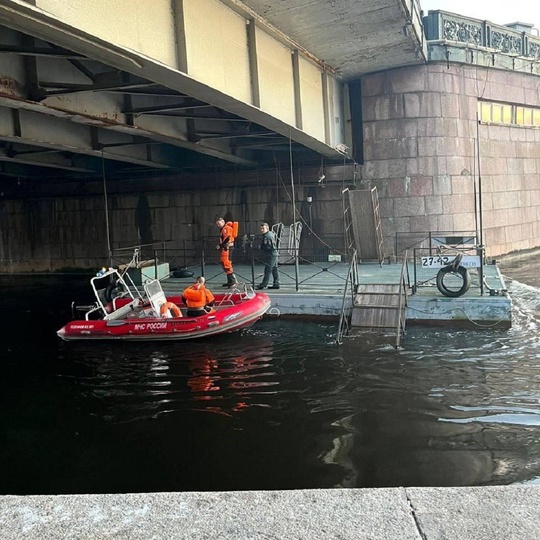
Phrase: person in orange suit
(226, 243)
(198, 299)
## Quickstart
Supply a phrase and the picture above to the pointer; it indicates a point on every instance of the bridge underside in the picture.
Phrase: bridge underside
(84, 92)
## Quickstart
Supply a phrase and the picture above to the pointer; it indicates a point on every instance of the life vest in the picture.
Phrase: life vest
(197, 297)
(229, 232)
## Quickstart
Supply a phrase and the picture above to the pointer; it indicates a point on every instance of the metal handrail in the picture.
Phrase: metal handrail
(420, 237)
(402, 304)
(450, 251)
(352, 277)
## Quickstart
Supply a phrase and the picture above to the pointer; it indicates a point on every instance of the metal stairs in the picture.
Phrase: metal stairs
(379, 308)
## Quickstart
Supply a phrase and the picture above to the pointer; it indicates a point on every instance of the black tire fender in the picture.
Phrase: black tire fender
(465, 276)
(182, 273)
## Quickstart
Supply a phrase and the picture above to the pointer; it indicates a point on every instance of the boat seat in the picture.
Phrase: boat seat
(121, 312)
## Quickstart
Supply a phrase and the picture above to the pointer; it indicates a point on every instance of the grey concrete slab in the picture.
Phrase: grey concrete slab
(477, 513)
(375, 514)
(460, 513)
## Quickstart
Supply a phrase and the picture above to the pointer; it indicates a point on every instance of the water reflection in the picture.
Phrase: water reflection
(277, 406)
(231, 384)
(464, 407)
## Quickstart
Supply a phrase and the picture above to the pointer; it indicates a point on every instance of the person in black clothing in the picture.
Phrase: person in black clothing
(269, 257)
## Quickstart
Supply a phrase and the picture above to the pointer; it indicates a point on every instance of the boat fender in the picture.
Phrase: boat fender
(170, 308)
(182, 273)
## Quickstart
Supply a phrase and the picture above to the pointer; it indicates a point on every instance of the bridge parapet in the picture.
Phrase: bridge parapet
(443, 28)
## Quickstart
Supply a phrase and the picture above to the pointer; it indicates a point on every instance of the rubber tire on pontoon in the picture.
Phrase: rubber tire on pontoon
(461, 271)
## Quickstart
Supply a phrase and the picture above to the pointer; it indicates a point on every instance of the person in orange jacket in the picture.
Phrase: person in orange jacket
(198, 299)
(226, 243)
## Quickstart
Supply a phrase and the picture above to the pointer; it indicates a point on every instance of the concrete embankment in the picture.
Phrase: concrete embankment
(475, 513)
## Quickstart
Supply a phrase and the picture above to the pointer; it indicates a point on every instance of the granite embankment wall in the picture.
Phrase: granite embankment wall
(422, 142)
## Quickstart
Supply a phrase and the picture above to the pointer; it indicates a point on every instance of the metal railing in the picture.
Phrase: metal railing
(404, 287)
(246, 252)
(428, 263)
(352, 283)
(443, 26)
(196, 256)
(405, 241)
(179, 254)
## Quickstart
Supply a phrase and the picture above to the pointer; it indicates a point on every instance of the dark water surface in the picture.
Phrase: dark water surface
(278, 406)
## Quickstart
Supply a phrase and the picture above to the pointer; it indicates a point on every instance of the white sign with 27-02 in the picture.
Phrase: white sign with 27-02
(438, 261)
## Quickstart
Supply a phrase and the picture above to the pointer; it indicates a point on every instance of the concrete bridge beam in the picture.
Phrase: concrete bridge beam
(200, 50)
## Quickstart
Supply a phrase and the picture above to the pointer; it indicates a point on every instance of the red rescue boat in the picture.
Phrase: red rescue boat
(138, 316)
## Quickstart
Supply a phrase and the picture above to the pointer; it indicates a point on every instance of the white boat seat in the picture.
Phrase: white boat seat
(155, 294)
(121, 312)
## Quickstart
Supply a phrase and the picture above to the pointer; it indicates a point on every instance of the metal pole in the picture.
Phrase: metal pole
(479, 185)
(106, 209)
(296, 270)
(202, 259)
(312, 243)
(474, 183)
(252, 263)
(414, 287)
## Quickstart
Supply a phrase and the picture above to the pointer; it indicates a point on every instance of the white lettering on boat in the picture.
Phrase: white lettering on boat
(232, 317)
(81, 326)
(151, 326)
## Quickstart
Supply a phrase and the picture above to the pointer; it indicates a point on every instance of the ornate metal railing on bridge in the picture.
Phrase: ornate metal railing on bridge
(475, 33)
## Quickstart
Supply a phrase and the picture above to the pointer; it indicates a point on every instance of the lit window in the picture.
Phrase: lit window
(503, 113)
(485, 112)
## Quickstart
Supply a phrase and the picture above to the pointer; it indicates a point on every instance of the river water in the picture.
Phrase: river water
(278, 406)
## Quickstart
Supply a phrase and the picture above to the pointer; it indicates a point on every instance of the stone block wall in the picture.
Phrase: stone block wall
(48, 234)
(422, 143)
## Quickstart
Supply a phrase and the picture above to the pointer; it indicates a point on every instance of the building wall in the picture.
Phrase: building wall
(421, 151)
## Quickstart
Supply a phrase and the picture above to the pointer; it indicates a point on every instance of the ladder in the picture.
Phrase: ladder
(288, 237)
(377, 308)
(380, 309)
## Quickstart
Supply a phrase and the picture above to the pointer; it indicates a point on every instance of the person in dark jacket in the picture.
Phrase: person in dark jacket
(269, 251)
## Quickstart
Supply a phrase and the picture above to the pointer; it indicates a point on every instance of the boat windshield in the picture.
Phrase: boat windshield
(155, 294)
(106, 287)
